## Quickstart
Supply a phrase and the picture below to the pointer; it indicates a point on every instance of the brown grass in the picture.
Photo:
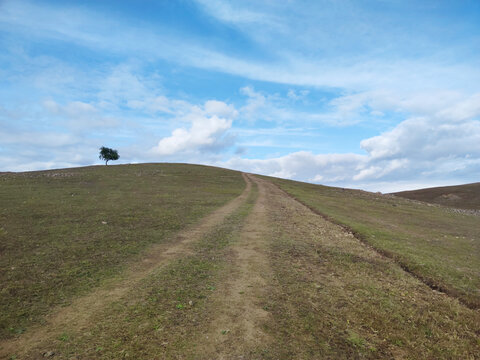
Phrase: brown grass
(64, 232)
(460, 196)
(437, 245)
(275, 280)
(333, 297)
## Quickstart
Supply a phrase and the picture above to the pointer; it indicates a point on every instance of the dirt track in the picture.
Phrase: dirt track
(81, 312)
(296, 286)
(295, 290)
(239, 314)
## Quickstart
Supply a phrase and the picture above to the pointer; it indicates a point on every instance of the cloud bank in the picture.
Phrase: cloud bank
(340, 93)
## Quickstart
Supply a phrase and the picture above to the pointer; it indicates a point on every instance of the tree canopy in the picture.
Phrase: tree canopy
(108, 154)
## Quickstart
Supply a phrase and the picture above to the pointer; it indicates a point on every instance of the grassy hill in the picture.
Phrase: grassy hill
(439, 246)
(183, 261)
(62, 232)
(460, 196)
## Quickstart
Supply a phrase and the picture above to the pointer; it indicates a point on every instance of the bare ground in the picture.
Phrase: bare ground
(83, 310)
(301, 287)
(297, 287)
(236, 329)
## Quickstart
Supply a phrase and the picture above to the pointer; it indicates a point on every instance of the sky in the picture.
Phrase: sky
(378, 95)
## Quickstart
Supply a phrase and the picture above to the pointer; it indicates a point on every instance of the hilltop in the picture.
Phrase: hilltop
(185, 261)
(459, 196)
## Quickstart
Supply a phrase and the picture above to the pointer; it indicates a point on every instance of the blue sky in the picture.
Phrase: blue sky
(380, 95)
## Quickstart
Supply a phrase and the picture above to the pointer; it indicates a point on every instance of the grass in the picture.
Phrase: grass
(438, 245)
(332, 297)
(63, 232)
(326, 294)
(160, 317)
(460, 196)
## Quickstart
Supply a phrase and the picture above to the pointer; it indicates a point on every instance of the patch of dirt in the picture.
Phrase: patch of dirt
(235, 332)
(82, 312)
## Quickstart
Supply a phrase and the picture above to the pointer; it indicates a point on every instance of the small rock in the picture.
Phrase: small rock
(104, 223)
(48, 354)
(190, 303)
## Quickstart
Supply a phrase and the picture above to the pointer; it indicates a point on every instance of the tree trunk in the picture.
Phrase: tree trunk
(106, 162)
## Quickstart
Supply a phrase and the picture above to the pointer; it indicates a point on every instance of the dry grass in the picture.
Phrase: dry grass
(333, 297)
(160, 316)
(63, 232)
(461, 196)
(292, 284)
(439, 246)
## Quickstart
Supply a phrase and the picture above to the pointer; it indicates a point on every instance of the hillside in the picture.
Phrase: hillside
(177, 261)
(63, 232)
(439, 246)
(460, 196)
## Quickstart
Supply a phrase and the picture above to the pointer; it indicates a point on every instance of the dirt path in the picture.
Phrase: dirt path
(236, 329)
(297, 285)
(80, 313)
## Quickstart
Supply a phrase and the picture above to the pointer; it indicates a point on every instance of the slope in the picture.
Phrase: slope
(436, 244)
(269, 278)
(65, 232)
(460, 196)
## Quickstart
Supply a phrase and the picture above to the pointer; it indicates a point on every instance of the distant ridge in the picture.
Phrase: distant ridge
(459, 196)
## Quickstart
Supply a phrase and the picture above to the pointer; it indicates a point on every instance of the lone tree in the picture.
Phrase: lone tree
(108, 154)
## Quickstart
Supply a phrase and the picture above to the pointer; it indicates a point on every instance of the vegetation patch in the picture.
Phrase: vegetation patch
(461, 196)
(161, 315)
(63, 232)
(439, 246)
(332, 297)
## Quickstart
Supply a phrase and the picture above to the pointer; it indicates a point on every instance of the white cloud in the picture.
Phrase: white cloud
(377, 171)
(79, 116)
(426, 139)
(442, 144)
(160, 104)
(463, 110)
(297, 95)
(44, 139)
(121, 85)
(221, 109)
(207, 131)
(256, 104)
(302, 165)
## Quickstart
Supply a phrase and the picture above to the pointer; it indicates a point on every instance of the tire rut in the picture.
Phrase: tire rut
(236, 328)
(82, 311)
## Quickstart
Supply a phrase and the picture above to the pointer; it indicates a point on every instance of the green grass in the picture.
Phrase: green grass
(62, 232)
(167, 310)
(439, 246)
